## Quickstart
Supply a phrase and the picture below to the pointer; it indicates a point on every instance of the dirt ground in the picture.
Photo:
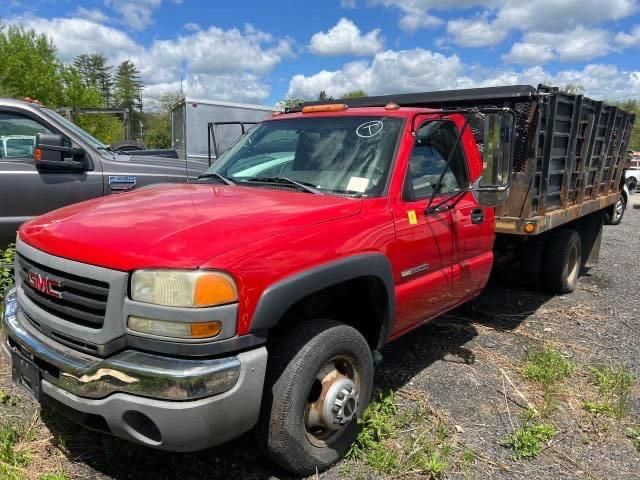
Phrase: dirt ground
(466, 366)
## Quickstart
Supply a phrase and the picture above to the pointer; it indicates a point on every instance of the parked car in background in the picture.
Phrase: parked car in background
(73, 167)
(633, 172)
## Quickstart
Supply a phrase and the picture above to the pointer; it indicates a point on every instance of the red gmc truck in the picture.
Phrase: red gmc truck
(182, 316)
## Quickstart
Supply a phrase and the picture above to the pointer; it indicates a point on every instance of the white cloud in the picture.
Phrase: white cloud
(88, 37)
(579, 44)
(93, 14)
(421, 70)
(348, 4)
(138, 14)
(631, 39)
(215, 63)
(345, 38)
(389, 71)
(475, 32)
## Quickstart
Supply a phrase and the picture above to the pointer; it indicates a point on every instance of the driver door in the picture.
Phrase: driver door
(24, 191)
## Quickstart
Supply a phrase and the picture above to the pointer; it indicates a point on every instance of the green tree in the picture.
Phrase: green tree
(128, 93)
(158, 131)
(96, 73)
(322, 96)
(29, 65)
(355, 94)
(633, 106)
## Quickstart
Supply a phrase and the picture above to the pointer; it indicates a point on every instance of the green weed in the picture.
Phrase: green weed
(54, 476)
(634, 435)
(6, 268)
(377, 425)
(614, 385)
(527, 441)
(12, 459)
(547, 366)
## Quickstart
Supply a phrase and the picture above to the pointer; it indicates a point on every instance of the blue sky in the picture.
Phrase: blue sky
(261, 51)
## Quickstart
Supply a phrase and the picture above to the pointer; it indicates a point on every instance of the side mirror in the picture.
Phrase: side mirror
(50, 150)
(492, 188)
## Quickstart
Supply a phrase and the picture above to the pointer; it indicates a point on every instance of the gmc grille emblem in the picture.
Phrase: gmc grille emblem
(45, 284)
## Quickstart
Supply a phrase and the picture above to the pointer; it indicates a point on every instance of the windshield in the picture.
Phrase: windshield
(350, 155)
(95, 143)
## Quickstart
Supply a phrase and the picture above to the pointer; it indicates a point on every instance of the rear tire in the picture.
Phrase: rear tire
(562, 261)
(613, 215)
(319, 381)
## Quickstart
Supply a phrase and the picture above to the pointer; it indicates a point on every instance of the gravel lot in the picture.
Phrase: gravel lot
(467, 367)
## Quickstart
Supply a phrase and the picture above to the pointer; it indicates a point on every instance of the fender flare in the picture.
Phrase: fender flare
(279, 297)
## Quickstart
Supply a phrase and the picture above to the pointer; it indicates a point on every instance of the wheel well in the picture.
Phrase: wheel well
(361, 303)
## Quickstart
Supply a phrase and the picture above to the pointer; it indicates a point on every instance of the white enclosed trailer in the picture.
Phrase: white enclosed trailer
(196, 133)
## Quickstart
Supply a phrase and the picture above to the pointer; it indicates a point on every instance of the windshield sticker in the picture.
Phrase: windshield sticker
(358, 184)
(369, 129)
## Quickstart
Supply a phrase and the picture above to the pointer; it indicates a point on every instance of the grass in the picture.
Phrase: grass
(527, 440)
(6, 268)
(53, 476)
(13, 459)
(634, 435)
(547, 367)
(614, 385)
(410, 440)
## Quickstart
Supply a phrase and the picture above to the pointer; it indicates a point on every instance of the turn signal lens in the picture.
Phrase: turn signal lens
(163, 328)
(37, 154)
(214, 289)
(178, 288)
(529, 227)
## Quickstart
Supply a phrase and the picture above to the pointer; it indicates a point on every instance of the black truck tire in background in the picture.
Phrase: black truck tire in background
(293, 368)
(614, 214)
(562, 261)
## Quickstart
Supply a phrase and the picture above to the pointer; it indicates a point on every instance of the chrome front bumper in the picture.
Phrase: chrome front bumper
(130, 371)
(134, 395)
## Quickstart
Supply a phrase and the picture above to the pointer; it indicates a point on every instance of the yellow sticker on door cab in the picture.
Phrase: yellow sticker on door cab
(411, 215)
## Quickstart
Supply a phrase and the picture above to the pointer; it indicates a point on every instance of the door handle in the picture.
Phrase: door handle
(477, 216)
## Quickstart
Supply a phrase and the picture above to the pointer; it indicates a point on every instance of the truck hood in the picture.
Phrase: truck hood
(177, 226)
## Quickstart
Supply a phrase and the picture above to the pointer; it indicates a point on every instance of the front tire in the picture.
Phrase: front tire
(562, 261)
(319, 381)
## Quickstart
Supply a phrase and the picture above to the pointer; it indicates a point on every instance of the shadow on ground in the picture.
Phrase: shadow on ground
(500, 307)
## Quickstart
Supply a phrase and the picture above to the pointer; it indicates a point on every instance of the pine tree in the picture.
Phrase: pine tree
(128, 93)
(96, 74)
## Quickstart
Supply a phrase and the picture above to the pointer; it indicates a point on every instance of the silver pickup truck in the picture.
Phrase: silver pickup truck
(47, 162)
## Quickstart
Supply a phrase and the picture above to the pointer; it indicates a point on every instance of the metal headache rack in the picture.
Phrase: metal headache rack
(569, 153)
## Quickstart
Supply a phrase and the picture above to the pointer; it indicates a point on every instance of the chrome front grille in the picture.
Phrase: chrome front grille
(73, 298)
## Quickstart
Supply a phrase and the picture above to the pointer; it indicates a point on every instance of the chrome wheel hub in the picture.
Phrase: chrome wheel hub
(333, 401)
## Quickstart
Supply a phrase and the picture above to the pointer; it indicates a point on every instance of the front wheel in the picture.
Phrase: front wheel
(319, 382)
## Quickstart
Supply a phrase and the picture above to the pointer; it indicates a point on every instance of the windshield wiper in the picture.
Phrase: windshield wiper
(218, 176)
(301, 185)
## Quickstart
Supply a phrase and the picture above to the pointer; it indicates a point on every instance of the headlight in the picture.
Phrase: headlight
(179, 288)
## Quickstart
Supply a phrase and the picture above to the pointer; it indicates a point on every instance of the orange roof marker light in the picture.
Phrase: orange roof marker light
(331, 107)
(391, 106)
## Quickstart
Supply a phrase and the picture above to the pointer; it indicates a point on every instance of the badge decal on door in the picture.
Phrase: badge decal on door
(119, 183)
(415, 270)
(413, 219)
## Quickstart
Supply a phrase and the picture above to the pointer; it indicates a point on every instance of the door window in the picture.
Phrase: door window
(18, 135)
(435, 141)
